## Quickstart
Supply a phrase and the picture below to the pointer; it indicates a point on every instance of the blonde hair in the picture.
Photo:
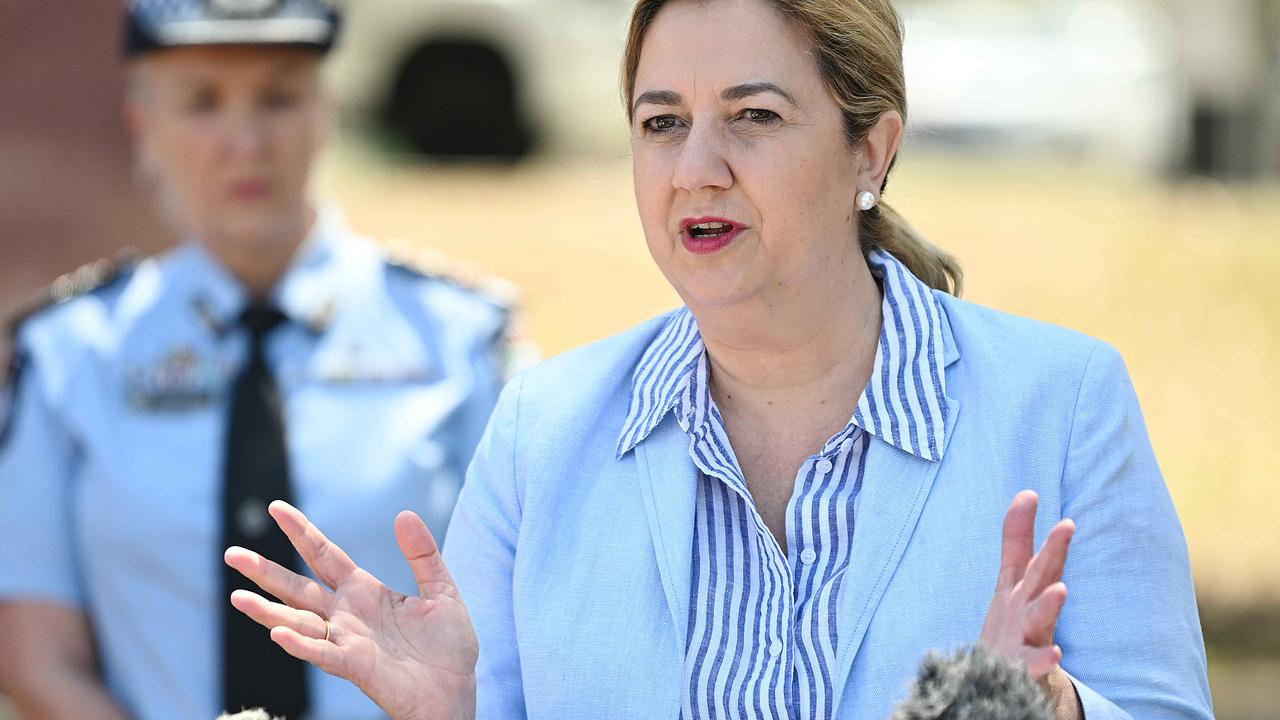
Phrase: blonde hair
(858, 48)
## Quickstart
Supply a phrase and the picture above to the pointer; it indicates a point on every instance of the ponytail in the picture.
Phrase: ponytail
(883, 228)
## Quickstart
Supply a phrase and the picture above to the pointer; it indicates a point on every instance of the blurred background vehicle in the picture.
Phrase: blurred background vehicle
(486, 78)
(1167, 87)
(1090, 78)
(1164, 86)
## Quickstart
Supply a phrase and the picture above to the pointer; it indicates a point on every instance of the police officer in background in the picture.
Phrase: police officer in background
(272, 354)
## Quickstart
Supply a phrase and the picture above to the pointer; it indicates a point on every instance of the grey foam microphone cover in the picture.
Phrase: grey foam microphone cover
(973, 684)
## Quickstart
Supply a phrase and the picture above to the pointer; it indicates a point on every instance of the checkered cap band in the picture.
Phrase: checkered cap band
(156, 24)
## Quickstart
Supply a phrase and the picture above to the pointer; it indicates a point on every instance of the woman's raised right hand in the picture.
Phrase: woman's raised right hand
(413, 656)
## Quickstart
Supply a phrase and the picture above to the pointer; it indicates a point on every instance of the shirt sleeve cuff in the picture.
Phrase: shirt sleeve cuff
(1094, 705)
(44, 590)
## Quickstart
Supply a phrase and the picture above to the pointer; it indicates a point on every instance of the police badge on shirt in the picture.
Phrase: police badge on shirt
(177, 380)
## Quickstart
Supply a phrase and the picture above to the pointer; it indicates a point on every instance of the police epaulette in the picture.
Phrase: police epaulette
(82, 281)
(428, 263)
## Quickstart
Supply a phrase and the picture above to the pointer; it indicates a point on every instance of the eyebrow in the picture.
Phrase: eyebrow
(746, 90)
(657, 97)
(730, 94)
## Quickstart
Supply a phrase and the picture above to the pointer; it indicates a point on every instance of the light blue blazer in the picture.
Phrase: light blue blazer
(575, 563)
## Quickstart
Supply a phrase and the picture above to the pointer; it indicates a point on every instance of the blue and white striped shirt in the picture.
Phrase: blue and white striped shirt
(762, 628)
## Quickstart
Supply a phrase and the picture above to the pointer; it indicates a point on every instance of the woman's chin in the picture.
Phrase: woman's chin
(254, 225)
(712, 293)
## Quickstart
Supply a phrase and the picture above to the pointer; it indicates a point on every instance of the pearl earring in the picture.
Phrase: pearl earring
(866, 200)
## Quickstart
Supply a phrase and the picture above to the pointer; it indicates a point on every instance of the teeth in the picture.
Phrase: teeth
(710, 226)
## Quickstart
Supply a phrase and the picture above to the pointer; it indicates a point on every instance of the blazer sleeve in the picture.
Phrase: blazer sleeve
(37, 460)
(488, 353)
(1130, 631)
(480, 552)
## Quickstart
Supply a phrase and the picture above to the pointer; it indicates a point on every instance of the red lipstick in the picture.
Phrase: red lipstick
(249, 190)
(706, 235)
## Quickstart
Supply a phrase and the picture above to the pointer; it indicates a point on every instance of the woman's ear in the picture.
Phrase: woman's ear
(878, 149)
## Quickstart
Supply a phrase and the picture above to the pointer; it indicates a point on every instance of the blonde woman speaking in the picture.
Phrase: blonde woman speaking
(771, 501)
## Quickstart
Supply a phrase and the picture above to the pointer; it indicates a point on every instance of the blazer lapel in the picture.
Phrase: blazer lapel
(895, 488)
(668, 484)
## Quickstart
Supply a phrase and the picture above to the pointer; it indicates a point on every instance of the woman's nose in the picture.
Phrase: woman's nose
(247, 137)
(702, 163)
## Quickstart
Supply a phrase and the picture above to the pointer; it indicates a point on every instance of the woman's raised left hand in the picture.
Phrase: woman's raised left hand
(1029, 596)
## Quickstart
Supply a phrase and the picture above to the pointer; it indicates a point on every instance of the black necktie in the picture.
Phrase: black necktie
(256, 672)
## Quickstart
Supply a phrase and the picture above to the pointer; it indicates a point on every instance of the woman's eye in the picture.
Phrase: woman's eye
(202, 102)
(660, 124)
(280, 100)
(756, 115)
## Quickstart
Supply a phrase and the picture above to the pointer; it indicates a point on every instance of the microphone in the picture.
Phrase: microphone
(973, 684)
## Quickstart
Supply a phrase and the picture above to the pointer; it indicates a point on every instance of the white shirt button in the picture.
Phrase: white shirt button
(808, 556)
(846, 445)
(823, 466)
(775, 648)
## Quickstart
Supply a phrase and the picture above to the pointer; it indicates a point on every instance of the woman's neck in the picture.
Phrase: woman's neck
(796, 350)
(259, 262)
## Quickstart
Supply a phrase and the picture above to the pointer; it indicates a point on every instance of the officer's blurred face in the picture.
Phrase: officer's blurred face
(229, 135)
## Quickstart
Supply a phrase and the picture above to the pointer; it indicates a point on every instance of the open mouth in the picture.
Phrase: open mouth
(708, 234)
(704, 230)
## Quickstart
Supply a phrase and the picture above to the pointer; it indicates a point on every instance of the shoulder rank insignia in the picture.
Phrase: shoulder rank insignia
(88, 278)
(431, 263)
(511, 351)
(84, 280)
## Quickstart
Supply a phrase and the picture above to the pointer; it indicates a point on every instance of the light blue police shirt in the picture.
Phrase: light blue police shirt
(110, 469)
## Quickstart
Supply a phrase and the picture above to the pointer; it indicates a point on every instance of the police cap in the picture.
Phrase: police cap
(157, 24)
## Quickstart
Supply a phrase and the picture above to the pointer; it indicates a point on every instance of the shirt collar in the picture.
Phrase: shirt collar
(322, 272)
(904, 403)
(665, 368)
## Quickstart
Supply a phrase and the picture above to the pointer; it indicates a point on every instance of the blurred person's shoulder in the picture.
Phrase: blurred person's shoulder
(76, 307)
(459, 295)
(472, 310)
(68, 326)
